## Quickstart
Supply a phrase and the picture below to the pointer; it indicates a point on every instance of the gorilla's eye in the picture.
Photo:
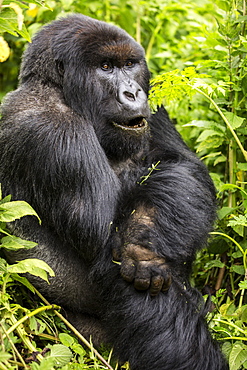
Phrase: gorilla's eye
(129, 64)
(106, 66)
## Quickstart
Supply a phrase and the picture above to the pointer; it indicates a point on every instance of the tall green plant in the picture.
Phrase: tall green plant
(219, 135)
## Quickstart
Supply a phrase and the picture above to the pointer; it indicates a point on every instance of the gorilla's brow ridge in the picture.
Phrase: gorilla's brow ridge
(120, 51)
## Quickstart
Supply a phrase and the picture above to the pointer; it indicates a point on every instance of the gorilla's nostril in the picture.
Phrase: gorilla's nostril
(129, 95)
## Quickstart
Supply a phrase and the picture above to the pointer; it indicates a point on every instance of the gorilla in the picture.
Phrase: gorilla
(124, 203)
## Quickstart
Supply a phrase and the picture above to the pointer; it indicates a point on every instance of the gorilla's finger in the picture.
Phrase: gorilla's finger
(143, 276)
(167, 282)
(156, 285)
(116, 255)
(141, 283)
(128, 270)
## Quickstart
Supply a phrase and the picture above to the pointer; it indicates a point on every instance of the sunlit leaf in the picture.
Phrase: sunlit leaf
(33, 266)
(10, 211)
(238, 356)
(15, 243)
(234, 120)
(61, 354)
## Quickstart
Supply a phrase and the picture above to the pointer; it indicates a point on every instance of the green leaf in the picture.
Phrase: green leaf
(207, 134)
(5, 199)
(77, 348)
(239, 269)
(6, 26)
(11, 211)
(217, 180)
(224, 211)
(211, 142)
(33, 266)
(241, 19)
(214, 263)
(15, 243)
(60, 353)
(45, 364)
(238, 356)
(234, 120)
(4, 356)
(228, 187)
(223, 4)
(238, 220)
(227, 309)
(66, 339)
(218, 245)
(242, 166)
(243, 284)
(21, 5)
(206, 125)
(198, 123)
(23, 32)
(244, 308)
(237, 254)
(226, 349)
(23, 281)
(3, 266)
(36, 325)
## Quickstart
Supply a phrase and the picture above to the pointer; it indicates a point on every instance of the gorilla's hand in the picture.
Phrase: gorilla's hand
(144, 268)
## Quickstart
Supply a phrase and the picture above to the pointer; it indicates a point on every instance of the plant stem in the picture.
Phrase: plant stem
(232, 172)
(236, 338)
(23, 335)
(138, 23)
(228, 237)
(72, 328)
(241, 298)
(225, 120)
(26, 317)
(3, 367)
(84, 340)
(233, 325)
(152, 39)
(14, 347)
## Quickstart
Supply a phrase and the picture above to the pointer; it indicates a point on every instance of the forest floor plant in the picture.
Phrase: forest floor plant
(204, 88)
(220, 140)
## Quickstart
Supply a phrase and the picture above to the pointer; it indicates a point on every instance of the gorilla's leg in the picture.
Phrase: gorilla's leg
(166, 332)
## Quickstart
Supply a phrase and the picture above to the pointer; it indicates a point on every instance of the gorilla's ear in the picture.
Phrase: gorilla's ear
(60, 67)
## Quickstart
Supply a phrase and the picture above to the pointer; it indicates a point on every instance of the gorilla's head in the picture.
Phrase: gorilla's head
(103, 75)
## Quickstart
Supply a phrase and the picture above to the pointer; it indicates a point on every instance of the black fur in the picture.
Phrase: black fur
(71, 145)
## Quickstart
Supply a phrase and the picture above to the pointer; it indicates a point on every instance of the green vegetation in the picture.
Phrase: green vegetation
(196, 51)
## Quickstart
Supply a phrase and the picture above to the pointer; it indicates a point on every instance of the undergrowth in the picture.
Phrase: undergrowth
(197, 51)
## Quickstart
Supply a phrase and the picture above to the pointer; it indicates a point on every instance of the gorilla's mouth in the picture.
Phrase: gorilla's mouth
(138, 123)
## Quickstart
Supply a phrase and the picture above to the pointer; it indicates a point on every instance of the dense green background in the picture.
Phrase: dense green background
(198, 51)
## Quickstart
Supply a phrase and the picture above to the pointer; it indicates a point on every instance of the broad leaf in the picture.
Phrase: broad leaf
(11, 211)
(61, 354)
(15, 243)
(33, 266)
(23, 281)
(238, 356)
(234, 120)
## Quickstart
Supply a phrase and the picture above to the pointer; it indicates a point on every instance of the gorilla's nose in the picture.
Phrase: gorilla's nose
(131, 94)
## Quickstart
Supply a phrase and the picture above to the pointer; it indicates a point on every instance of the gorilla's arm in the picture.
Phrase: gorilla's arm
(58, 166)
(169, 214)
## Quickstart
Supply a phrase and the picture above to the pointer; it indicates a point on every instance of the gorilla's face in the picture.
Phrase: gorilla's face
(121, 81)
(104, 78)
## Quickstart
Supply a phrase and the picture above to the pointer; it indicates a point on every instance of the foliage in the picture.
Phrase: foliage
(199, 49)
(18, 323)
(168, 31)
(215, 90)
